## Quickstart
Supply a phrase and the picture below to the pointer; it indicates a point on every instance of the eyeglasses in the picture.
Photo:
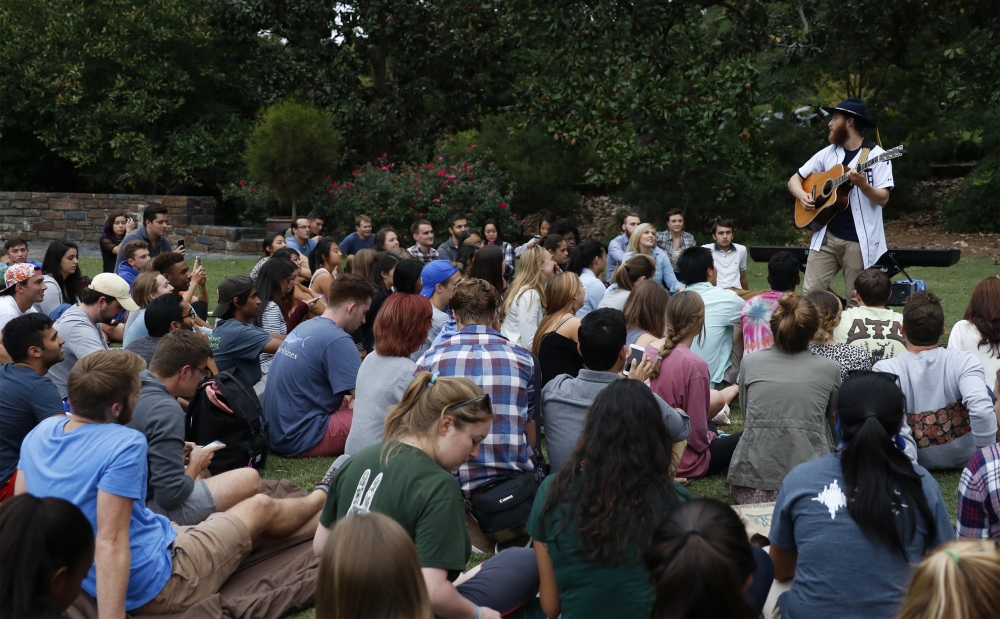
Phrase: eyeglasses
(302, 227)
(206, 373)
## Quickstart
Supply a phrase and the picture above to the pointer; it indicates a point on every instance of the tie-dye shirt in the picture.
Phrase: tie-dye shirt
(756, 321)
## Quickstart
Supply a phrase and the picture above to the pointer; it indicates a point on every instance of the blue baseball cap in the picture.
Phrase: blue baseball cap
(436, 272)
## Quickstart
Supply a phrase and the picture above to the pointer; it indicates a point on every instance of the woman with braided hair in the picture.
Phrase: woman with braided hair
(682, 379)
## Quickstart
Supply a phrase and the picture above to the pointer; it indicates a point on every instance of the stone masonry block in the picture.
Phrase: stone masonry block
(63, 205)
(42, 226)
(76, 215)
(53, 215)
(74, 235)
(207, 240)
(60, 224)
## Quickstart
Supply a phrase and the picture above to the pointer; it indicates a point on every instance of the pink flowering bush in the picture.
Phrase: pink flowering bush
(395, 194)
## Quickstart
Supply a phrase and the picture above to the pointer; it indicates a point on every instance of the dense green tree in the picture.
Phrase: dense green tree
(292, 148)
(133, 95)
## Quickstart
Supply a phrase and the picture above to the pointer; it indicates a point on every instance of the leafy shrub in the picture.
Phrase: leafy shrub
(545, 171)
(973, 207)
(396, 194)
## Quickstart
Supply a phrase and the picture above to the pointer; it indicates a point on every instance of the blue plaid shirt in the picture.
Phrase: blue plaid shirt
(506, 372)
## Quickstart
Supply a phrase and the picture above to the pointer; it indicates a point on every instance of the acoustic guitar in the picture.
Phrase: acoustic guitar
(829, 190)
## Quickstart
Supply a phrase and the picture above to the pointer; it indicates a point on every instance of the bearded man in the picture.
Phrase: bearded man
(854, 239)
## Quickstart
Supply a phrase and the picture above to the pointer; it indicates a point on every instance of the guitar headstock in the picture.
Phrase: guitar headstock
(892, 153)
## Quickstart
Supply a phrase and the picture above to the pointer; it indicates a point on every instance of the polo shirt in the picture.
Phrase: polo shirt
(728, 264)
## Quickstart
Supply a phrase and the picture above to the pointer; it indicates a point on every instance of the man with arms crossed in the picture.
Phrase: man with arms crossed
(854, 239)
(142, 563)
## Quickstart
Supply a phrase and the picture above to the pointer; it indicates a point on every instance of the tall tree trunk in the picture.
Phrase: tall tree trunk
(293, 212)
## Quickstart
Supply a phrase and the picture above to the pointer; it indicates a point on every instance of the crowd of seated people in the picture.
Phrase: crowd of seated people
(552, 401)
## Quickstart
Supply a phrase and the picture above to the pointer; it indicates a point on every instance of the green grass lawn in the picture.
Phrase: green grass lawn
(953, 285)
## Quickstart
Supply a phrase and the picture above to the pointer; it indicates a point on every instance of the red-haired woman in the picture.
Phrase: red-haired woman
(400, 328)
(979, 332)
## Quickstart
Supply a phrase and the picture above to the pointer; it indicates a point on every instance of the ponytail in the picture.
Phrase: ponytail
(685, 317)
(878, 477)
(699, 561)
(628, 274)
(426, 401)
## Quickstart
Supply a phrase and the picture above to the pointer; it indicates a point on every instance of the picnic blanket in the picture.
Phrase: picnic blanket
(270, 583)
(756, 518)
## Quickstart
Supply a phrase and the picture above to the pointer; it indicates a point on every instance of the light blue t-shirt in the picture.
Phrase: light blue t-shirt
(595, 290)
(723, 309)
(303, 251)
(75, 465)
(137, 329)
(315, 367)
(835, 557)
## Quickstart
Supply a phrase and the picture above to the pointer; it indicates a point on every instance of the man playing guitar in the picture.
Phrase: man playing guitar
(854, 239)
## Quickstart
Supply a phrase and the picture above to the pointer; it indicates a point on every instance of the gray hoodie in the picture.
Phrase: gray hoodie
(82, 338)
(565, 401)
(158, 416)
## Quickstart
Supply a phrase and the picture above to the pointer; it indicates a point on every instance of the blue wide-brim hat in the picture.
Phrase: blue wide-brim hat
(855, 108)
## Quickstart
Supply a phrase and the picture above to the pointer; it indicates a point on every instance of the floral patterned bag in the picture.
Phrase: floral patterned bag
(941, 426)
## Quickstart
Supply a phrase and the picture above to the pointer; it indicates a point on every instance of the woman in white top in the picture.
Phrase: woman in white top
(979, 332)
(626, 277)
(62, 276)
(524, 304)
(324, 261)
(275, 283)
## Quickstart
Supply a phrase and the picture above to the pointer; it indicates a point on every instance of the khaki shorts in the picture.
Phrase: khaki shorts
(204, 557)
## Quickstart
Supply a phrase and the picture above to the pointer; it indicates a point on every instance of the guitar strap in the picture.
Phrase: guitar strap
(863, 158)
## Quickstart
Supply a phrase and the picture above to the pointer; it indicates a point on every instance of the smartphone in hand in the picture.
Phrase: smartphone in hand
(635, 353)
(180, 243)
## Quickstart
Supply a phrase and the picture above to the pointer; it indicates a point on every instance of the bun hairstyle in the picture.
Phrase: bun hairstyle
(879, 477)
(628, 274)
(794, 323)
(685, 318)
(425, 404)
(959, 579)
(699, 561)
(829, 309)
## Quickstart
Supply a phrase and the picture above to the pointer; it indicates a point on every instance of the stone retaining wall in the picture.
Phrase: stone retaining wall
(45, 217)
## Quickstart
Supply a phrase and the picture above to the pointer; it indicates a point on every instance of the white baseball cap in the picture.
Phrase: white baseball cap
(114, 286)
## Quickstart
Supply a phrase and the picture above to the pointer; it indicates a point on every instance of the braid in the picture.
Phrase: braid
(687, 310)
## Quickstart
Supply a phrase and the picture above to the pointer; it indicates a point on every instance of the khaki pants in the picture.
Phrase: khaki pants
(823, 265)
(204, 556)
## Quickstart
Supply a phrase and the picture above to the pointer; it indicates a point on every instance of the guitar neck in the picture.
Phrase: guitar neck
(840, 180)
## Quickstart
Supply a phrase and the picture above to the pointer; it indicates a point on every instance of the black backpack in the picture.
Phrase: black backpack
(244, 431)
